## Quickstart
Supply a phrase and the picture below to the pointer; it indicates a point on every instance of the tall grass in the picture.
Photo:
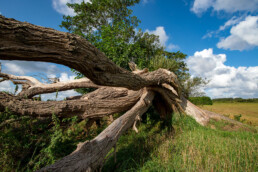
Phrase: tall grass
(28, 145)
(189, 147)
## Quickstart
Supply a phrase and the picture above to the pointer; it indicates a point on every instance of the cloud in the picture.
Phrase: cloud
(201, 6)
(37, 70)
(243, 36)
(60, 95)
(61, 7)
(25, 67)
(7, 86)
(160, 31)
(172, 47)
(145, 1)
(229, 6)
(163, 37)
(225, 81)
(65, 77)
(231, 22)
(63, 94)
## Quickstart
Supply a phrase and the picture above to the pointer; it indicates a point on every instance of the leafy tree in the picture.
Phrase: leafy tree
(110, 26)
(192, 87)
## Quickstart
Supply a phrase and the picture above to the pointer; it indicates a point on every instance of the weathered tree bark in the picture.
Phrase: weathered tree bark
(99, 103)
(195, 112)
(35, 87)
(24, 41)
(90, 155)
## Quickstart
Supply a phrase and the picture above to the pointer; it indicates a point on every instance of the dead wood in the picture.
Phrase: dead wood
(194, 111)
(90, 155)
(99, 103)
(24, 41)
(35, 87)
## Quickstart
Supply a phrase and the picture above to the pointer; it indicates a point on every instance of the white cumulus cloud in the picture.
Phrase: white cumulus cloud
(160, 31)
(231, 22)
(39, 70)
(7, 86)
(61, 7)
(242, 36)
(229, 6)
(163, 37)
(225, 81)
(16, 67)
(200, 6)
(64, 77)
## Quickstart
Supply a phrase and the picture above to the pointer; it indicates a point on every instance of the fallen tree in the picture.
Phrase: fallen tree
(117, 90)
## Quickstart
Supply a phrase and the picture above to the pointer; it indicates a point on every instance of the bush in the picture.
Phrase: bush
(201, 100)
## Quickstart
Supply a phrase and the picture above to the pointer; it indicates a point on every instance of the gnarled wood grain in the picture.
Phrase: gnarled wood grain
(25, 41)
(90, 155)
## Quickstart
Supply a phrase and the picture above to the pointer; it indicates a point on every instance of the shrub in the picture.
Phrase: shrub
(201, 100)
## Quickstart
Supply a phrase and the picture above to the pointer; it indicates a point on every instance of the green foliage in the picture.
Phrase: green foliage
(29, 144)
(111, 27)
(16, 88)
(56, 94)
(201, 100)
(237, 117)
(189, 147)
(19, 141)
(37, 98)
(92, 16)
(108, 25)
(192, 86)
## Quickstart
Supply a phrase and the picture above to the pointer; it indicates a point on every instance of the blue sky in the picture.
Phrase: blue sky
(220, 38)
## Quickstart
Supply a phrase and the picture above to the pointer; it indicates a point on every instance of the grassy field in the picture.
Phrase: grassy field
(188, 147)
(183, 146)
(249, 111)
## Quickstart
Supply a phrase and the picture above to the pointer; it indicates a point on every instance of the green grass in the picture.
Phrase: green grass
(188, 147)
(249, 111)
(28, 145)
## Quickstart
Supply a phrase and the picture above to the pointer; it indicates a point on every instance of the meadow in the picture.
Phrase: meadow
(187, 147)
(182, 145)
(248, 111)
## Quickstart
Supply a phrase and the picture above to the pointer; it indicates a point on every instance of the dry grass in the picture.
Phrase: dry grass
(249, 111)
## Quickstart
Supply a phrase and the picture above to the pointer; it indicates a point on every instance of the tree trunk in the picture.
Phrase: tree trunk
(90, 155)
(24, 41)
(118, 89)
(102, 102)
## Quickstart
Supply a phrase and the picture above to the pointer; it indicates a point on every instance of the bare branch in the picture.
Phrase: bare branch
(32, 81)
(59, 86)
(99, 103)
(90, 155)
(35, 87)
